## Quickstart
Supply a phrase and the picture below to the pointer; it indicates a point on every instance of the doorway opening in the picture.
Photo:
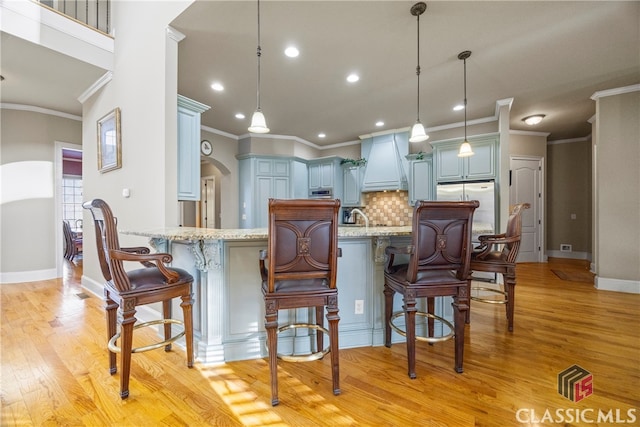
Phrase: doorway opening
(208, 202)
(68, 201)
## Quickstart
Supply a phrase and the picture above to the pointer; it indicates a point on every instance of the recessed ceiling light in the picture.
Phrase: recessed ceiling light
(379, 123)
(533, 120)
(321, 135)
(217, 87)
(239, 116)
(458, 107)
(353, 77)
(292, 52)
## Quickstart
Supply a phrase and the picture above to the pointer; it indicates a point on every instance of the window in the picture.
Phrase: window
(72, 200)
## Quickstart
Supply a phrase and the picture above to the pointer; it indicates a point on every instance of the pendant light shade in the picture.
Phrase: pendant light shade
(258, 122)
(465, 148)
(418, 133)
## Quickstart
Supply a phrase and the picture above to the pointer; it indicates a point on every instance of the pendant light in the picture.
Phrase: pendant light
(258, 122)
(417, 131)
(465, 148)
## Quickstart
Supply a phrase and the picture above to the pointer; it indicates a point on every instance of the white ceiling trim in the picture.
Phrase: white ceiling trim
(175, 34)
(528, 133)
(96, 86)
(568, 141)
(34, 109)
(616, 91)
(300, 140)
(219, 132)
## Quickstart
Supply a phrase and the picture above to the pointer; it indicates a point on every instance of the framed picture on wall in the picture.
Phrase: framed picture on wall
(109, 142)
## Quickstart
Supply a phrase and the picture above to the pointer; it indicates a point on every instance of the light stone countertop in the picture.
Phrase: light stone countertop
(193, 233)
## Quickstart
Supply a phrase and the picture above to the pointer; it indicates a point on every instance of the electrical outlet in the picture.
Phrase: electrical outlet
(359, 306)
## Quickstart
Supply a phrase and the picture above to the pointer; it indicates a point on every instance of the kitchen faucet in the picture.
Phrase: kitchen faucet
(366, 220)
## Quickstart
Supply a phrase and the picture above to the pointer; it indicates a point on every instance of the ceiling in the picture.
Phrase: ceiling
(550, 57)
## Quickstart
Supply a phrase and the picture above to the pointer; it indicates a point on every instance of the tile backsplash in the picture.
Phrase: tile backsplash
(390, 208)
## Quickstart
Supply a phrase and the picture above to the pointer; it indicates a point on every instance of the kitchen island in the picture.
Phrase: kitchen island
(229, 309)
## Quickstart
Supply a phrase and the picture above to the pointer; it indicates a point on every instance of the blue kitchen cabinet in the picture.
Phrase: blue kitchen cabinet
(481, 166)
(351, 179)
(421, 183)
(260, 179)
(189, 112)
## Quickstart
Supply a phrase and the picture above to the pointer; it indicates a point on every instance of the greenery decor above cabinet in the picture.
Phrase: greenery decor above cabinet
(421, 183)
(481, 166)
(189, 112)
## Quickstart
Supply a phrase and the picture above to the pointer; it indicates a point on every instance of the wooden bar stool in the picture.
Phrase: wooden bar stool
(125, 290)
(299, 270)
(498, 254)
(438, 266)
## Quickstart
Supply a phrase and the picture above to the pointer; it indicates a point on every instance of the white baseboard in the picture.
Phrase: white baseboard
(28, 276)
(569, 255)
(92, 286)
(617, 285)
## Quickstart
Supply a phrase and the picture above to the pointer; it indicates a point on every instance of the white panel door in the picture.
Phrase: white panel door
(526, 187)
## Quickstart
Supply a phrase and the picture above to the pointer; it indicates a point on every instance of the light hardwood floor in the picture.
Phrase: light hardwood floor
(55, 368)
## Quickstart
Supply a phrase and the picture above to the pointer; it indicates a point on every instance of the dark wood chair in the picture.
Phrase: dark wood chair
(300, 271)
(125, 290)
(72, 243)
(498, 254)
(438, 266)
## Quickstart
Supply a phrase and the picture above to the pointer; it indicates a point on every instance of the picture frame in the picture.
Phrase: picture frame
(109, 142)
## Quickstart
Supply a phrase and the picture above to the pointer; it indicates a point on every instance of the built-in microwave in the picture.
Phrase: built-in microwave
(321, 193)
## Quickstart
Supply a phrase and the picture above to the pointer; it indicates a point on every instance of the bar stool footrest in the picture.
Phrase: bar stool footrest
(115, 349)
(421, 338)
(489, 300)
(304, 357)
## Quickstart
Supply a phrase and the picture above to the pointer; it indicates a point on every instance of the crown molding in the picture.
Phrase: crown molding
(175, 34)
(219, 132)
(528, 133)
(568, 141)
(96, 86)
(615, 91)
(34, 109)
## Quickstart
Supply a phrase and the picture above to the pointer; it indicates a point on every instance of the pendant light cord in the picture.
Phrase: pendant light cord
(465, 99)
(418, 71)
(258, 53)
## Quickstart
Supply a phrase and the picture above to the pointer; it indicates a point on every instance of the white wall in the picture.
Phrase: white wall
(617, 202)
(28, 225)
(144, 87)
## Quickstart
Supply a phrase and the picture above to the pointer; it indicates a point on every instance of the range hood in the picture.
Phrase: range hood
(386, 164)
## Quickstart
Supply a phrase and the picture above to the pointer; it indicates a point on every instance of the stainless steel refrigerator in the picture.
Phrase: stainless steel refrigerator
(484, 218)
